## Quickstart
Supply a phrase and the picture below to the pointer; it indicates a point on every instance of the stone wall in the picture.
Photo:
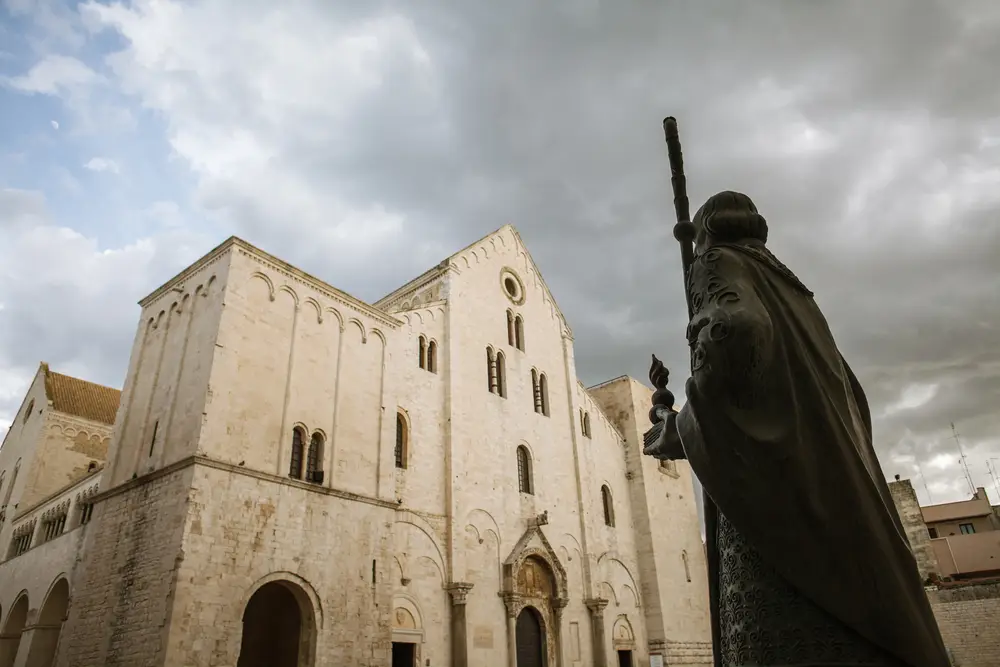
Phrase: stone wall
(163, 399)
(293, 353)
(243, 529)
(671, 553)
(905, 499)
(68, 449)
(122, 599)
(969, 618)
(18, 454)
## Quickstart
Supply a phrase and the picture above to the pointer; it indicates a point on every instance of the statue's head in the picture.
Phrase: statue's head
(728, 217)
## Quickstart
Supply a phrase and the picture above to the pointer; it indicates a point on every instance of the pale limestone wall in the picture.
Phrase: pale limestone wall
(243, 529)
(416, 575)
(164, 395)
(486, 430)
(668, 532)
(293, 352)
(35, 571)
(17, 455)
(616, 574)
(421, 399)
(69, 449)
(123, 592)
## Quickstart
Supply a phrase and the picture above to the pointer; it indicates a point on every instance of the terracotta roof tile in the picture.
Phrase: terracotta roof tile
(81, 398)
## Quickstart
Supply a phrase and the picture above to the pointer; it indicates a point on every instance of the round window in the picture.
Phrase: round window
(512, 286)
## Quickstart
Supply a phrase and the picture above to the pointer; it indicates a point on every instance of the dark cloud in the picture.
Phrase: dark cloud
(866, 133)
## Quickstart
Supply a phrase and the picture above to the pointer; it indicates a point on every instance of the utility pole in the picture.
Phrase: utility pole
(965, 463)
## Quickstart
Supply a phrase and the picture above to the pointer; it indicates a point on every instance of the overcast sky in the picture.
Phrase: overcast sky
(366, 141)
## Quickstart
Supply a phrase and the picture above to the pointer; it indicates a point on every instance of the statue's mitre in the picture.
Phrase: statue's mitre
(731, 214)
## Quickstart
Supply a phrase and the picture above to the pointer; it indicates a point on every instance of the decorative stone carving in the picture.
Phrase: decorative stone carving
(459, 591)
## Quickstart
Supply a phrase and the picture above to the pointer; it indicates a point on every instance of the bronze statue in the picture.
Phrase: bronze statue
(808, 561)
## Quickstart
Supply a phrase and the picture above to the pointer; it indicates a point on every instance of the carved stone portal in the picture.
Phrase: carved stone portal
(534, 582)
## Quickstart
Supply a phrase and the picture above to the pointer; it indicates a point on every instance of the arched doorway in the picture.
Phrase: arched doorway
(10, 636)
(530, 639)
(277, 628)
(45, 635)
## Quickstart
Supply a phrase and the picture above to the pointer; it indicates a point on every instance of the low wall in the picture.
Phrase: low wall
(969, 617)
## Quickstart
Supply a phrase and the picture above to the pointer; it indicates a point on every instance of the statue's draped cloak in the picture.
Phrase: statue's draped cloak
(778, 431)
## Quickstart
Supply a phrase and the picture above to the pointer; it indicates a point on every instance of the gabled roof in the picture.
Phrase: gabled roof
(80, 398)
(441, 268)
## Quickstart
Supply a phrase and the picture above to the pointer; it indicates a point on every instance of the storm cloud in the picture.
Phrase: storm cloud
(364, 142)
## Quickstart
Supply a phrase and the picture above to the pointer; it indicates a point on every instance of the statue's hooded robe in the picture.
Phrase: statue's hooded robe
(778, 431)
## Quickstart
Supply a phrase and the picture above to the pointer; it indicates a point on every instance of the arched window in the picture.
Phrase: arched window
(524, 484)
(510, 328)
(586, 424)
(314, 459)
(402, 440)
(609, 509)
(491, 369)
(519, 333)
(422, 352)
(543, 393)
(501, 373)
(295, 469)
(432, 357)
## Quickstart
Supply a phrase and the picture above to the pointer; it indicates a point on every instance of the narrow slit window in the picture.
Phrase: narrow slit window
(501, 374)
(510, 328)
(401, 442)
(524, 480)
(314, 458)
(152, 441)
(295, 466)
(609, 509)
(432, 354)
(422, 360)
(519, 333)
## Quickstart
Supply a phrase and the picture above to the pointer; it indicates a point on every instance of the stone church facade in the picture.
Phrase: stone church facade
(296, 477)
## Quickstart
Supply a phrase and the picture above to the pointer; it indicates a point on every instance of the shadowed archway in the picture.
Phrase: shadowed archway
(13, 627)
(45, 633)
(278, 627)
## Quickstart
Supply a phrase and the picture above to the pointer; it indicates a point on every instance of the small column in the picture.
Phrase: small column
(38, 645)
(459, 637)
(511, 602)
(596, 607)
(558, 604)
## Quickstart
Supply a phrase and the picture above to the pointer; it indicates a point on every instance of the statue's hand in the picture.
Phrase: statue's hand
(662, 442)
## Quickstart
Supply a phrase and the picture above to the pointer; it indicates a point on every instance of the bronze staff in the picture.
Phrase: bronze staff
(684, 233)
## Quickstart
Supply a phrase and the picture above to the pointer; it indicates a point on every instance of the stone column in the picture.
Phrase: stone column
(511, 602)
(459, 636)
(38, 646)
(596, 607)
(558, 604)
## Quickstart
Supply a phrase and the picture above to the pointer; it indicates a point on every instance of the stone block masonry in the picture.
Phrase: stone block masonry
(121, 605)
(968, 615)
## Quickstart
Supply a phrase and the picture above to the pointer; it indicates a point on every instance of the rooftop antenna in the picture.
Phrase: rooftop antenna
(965, 463)
(920, 471)
(994, 475)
